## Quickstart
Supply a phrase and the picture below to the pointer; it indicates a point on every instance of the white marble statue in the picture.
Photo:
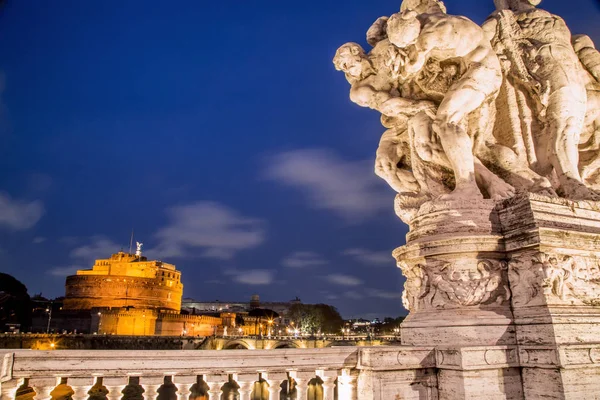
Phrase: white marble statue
(477, 112)
(545, 66)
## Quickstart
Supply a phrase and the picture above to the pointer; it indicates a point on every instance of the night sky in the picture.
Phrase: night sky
(218, 130)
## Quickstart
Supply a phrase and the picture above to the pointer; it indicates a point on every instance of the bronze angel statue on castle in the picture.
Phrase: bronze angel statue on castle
(479, 111)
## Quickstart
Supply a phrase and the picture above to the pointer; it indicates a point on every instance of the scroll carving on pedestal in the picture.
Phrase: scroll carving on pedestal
(450, 285)
(479, 111)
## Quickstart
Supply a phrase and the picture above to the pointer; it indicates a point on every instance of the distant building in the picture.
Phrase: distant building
(125, 280)
(253, 317)
(127, 294)
(281, 307)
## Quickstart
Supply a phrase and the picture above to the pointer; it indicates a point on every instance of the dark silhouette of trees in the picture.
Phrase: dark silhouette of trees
(312, 318)
(15, 304)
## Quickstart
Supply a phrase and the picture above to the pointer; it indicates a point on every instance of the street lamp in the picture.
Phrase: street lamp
(99, 322)
(49, 311)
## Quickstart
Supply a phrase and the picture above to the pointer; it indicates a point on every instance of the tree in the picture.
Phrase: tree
(15, 303)
(312, 318)
(389, 324)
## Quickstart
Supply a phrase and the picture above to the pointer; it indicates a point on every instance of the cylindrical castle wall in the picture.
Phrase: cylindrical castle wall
(84, 292)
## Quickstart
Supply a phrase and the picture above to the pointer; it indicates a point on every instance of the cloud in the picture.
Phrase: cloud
(38, 240)
(63, 271)
(368, 257)
(220, 232)
(353, 295)
(99, 247)
(348, 188)
(343, 280)
(302, 259)
(19, 215)
(252, 276)
(382, 294)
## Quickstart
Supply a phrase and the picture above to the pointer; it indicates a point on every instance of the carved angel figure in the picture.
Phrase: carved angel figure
(430, 86)
(546, 83)
(439, 36)
(556, 273)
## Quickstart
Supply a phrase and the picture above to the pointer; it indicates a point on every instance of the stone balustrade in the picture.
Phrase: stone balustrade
(172, 375)
(336, 373)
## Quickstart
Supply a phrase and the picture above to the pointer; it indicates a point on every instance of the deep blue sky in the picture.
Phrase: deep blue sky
(219, 131)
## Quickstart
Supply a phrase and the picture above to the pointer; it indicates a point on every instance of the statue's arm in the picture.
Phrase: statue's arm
(365, 95)
(400, 106)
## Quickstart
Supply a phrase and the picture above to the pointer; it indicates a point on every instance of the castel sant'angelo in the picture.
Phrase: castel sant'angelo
(125, 280)
(127, 294)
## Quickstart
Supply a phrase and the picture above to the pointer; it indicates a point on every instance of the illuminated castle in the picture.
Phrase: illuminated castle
(125, 280)
(127, 294)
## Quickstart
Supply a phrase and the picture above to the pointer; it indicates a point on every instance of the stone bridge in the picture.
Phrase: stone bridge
(291, 342)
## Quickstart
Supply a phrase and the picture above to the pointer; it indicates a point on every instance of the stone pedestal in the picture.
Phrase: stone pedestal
(521, 275)
(457, 283)
(553, 250)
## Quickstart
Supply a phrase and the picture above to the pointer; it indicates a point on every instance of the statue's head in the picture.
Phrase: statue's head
(515, 5)
(423, 6)
(349, 59)
(403, 28)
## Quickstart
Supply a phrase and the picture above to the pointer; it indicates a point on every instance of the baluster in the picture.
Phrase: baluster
(62, 391)
(115, 386)
(80, 387)
(347, 385)
(43, 387)
(23, 392)
(328, 378)
(98, 391)
(214, 383)
(184, 384)
(246, 384)
(301, 378)
(245, 390)
(133, 390)
(168, 390)
(199, 389)
(274, 380)
(151, 385)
